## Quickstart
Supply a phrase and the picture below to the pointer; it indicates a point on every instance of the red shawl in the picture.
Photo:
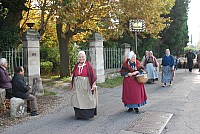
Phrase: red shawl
(155, 64)
(90, 73)
(127, 68)
(133, 92)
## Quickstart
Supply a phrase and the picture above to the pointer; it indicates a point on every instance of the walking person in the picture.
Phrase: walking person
(190, 56)
(21, 90)
(5, 79)
(167, 68)
(145, 56)
(133, 94)
(151, 65)
(84, 90)
(198, 60)
(176, 60)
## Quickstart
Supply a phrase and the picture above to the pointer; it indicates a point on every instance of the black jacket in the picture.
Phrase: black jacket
(20, 89)
(190, 56)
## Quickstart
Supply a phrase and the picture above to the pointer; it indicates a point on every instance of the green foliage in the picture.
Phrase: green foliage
(110, 44)
(51, 54)
(3, 11)
(111, 83)
(150, 44)
(47, 92)
(73, 54)
(57, 78)
(8, 36)
(10, 16)
(46, 67)
(175, 37)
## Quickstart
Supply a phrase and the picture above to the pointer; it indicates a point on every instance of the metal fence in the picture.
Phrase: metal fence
(113, 58)
(88, 53)
(14, 57)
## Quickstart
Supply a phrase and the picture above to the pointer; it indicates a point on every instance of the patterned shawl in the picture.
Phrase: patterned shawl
(126, 67)
(90, 73)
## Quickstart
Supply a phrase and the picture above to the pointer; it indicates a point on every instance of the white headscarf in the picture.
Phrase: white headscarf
(151, 52)
(167, 50)
(131, 54)
(82, 52)
(80, 68)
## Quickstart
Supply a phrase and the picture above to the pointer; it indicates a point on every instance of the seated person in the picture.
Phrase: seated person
(21, 90)
(5, 79)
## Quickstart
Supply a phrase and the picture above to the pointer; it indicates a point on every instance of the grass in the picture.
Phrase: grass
(53, 81)
(67, 88)
(47, 92)
(56, 78)
(111, 83)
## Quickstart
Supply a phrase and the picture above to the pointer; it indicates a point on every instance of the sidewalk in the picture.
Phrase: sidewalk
(182, 100)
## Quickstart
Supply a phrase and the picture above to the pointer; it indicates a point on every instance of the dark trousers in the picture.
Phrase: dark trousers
(9, 93)
(190, 65)
(32, 103)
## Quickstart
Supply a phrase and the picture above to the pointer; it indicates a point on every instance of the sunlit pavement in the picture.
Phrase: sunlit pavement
(182, 99)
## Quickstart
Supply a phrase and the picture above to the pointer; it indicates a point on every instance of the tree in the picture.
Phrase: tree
(78, 17)
(109, 17)
(10, 22)
(175, 37)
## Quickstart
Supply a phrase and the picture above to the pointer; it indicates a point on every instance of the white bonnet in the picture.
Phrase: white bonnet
(131, 54)
(81, 52)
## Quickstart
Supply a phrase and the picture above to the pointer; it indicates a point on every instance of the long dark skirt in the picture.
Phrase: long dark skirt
(190, 64)
(85, 113)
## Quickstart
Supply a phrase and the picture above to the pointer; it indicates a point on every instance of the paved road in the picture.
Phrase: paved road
(182, 100)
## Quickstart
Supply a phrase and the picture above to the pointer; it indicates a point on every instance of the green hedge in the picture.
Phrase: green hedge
(46, 67)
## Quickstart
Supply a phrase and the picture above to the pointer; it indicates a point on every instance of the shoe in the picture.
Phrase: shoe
(136, 110)
(170, 83)
(164, 85)
(130, 109)
(34, 113)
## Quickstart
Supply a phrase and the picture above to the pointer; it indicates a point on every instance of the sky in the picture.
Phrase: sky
(194, 21)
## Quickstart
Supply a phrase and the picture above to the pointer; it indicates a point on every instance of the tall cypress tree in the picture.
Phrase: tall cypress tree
(175, 37)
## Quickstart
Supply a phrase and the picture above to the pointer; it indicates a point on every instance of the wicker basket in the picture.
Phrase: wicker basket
(142, 78)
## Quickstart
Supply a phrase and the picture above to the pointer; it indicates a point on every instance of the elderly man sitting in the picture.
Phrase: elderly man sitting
(21, 90)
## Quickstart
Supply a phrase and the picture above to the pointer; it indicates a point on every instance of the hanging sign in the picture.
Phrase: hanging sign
(137, 25)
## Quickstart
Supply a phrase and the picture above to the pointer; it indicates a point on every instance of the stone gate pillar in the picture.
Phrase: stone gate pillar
(96, 53)
(125, 50)
(31, 57)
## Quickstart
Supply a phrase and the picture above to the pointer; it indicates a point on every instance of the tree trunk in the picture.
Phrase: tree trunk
(63, 40)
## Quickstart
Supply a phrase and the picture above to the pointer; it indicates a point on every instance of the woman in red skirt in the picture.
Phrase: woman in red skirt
(133, 95)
